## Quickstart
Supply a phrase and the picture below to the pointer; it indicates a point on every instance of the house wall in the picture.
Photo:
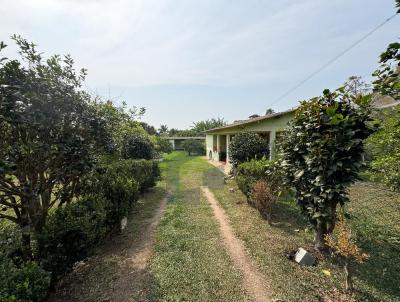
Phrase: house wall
(272, 126)
(210, 152)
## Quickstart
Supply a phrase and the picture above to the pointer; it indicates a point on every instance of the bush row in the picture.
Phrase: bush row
(248, 173)
(73, 231)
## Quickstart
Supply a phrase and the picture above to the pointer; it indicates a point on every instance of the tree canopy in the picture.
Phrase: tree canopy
(322, 155)
(50, 135)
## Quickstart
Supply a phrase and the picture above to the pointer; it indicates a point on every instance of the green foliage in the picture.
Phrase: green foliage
(269, 111)
(121, 124)
(246, 146)
(27, 283)
(50, 136)
(148, 128)
(71, 234)
(162, 145)
(388, 74)
(138, 146)
(194, 146)
(384, 147)
(322, 155)
(248, 173)
(201, 126)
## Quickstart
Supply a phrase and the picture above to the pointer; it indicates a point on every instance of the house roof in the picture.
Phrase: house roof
(185, 137)
(251, 120)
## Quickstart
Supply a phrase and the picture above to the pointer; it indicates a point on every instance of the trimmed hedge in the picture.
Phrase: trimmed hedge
(71, 234)
(19, 282)
(27, 283)
(248, 173)
(73, 231)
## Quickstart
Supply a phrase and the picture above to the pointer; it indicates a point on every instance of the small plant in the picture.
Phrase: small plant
(346, 248)
(263, 199)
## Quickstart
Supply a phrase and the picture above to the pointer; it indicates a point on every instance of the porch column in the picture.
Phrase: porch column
(218, 146)
(172, 142)
(272, 136)
(227, 148)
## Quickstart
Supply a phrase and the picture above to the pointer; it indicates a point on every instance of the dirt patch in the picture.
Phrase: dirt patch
(253, 280)
(119, 272)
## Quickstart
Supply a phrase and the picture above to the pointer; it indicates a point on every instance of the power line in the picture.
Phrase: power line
(332, 60)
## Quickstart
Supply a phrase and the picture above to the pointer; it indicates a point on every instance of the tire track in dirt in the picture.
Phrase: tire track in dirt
(132, 276)
(253, 280)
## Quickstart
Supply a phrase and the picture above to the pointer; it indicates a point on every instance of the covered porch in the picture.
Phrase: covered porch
(218, 145)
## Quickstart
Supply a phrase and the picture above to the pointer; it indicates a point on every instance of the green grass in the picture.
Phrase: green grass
(189, 261)
(376, 215)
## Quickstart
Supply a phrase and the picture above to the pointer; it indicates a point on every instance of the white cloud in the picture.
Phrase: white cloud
(140, 43)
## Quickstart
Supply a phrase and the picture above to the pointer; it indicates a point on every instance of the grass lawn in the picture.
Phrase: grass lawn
(189, 261)
(376, 215)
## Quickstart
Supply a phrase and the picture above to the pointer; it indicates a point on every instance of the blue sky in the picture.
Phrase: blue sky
(192, 60)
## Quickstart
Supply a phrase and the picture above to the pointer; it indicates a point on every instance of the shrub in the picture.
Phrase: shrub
(162, 145)
(248, 173)
(121, 182)
(194, 146)
(138, 146)
(145, 172)
(323, 154)
(71, 234)
(263, 198)
(27, 283)
(345, 247)
(246, 146)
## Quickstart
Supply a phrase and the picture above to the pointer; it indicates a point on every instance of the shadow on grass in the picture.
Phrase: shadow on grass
(381, 270)
(287, 217)
(213, 178)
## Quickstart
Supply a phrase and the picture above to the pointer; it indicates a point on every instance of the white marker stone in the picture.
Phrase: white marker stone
(304, 258)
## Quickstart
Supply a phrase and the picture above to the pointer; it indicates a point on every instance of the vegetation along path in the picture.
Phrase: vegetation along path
(210, 245)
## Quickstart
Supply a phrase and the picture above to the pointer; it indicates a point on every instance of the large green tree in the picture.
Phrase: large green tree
(323, 154)
(384, 147)
(50, 135)
(201, 126)
(388, 75)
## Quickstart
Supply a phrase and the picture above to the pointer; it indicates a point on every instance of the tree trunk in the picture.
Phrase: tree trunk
(349, 281)
(319, 239)
(26, 236)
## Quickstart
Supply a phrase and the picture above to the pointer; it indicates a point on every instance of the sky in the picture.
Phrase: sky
(187, 60)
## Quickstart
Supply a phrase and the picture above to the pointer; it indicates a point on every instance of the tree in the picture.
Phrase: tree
(384, 147)
(162, 145)
(322, 155)
(163, 130)
(138, 146)
(356, 87)
(246, 146)
(201, 126)
(388, 74)
(50, 135)
(148, 128)
(193, 146)
(269, 111)
(121, 123)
